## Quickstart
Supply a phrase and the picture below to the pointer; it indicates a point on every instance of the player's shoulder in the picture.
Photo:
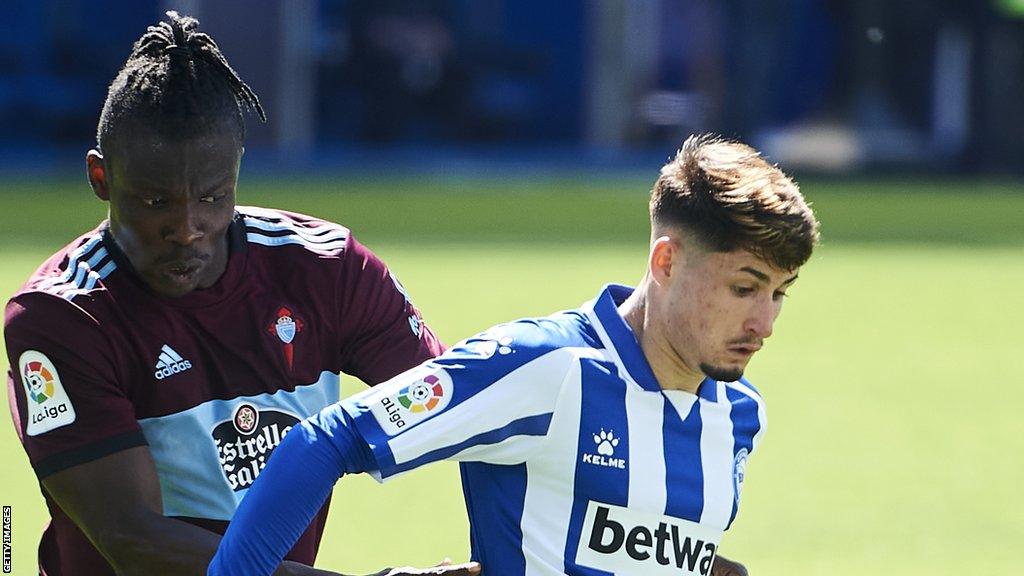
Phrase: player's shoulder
(38, 318)
(274, 228)
(742, 391)
(748, 413)
(70, 278)
(559, 338)
(40, 312)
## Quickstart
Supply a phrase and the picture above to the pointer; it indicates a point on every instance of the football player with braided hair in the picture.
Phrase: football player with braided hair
(159, 360)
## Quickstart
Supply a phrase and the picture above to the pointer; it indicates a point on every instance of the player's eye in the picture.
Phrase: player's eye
(742, 290)
(211, 198)
(779, 295)
(154, 202)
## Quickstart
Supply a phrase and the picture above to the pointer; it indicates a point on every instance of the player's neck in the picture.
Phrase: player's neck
(669, 369)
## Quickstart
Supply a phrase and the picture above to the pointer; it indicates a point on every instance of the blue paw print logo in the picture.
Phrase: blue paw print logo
(606, 442)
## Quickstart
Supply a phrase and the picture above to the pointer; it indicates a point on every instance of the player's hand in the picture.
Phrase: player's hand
(289, 568)
(725, 567)
(445, 568)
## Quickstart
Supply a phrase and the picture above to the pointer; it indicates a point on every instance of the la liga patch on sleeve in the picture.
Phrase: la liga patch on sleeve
(48, 404)
(410, 399)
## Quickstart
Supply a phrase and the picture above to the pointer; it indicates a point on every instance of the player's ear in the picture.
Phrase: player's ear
(663, 251)
(96, 171)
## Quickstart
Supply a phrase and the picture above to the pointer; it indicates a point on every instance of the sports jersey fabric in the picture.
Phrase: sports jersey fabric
(574, 460)
(211, 381)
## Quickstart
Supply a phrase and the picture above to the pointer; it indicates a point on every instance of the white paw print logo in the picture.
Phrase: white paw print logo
(486, 347)
(606, 442)
(505, 346)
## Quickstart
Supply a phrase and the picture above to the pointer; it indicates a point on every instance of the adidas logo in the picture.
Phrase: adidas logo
(170, 363)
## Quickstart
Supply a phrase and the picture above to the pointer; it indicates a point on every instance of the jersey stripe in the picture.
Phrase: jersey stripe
(716, 454)
(497, 542)
(81, 276)
(107, 269)
(683, 458)
(320, 234)
(645, 413)
(748, 424)
(83, 268)
(192, 482)
(536, 425)
(762, 414)
(602, 419)
(331, 249)
(268, 228)
(73, 259)
(547, 506)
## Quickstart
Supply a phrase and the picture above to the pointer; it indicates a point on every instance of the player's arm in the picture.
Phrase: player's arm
(116, 502)
(434, 411)
(382, 333)
(82, 437)
(305, 467)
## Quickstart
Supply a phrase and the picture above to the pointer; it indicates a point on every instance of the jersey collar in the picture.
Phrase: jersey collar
(618, 337)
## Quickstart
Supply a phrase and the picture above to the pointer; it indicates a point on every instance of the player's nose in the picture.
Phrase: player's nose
(183, 225)
(761, 320)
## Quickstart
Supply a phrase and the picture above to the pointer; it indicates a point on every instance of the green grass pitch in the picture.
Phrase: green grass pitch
(893, 381)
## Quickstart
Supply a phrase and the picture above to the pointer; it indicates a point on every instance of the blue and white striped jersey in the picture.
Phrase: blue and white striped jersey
(574, 459)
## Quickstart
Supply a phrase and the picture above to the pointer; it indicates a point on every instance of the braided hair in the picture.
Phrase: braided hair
(176, 84)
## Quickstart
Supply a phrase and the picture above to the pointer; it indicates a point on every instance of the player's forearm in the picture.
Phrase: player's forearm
(172, 547)
(287, 495)
(160, 545)
(155, 545)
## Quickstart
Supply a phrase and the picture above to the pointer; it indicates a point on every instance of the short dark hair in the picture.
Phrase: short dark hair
(177, 84)
(728, 197)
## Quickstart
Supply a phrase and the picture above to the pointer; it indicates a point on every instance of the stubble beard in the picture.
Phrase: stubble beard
(721, 374)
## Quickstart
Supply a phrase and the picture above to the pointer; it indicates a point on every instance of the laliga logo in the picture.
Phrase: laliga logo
(48, 405)
(423, 395)
(413, 402)
(39, 380)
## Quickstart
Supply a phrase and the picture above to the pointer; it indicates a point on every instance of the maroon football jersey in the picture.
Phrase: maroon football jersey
(210, 381)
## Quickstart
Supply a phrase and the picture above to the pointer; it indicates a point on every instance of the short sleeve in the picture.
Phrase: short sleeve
(382, 332)
(749, 415)
(67, 404)
(489, 399)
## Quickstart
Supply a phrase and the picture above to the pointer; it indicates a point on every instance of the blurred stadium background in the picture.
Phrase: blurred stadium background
(497, 154)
